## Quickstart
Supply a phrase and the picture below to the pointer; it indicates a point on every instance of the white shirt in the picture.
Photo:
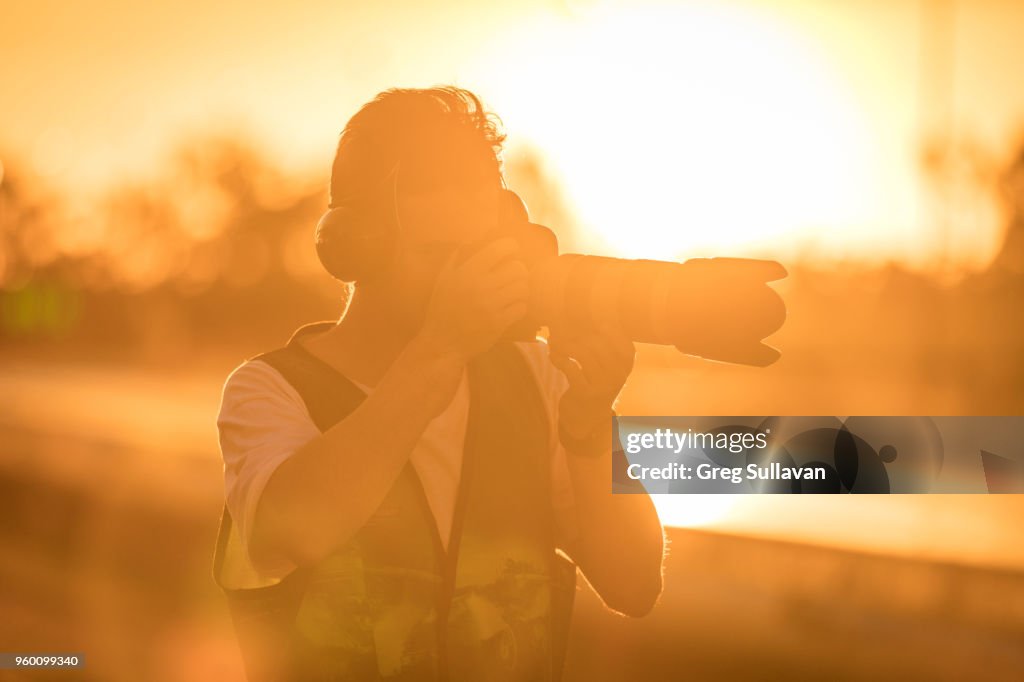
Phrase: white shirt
(263, 421)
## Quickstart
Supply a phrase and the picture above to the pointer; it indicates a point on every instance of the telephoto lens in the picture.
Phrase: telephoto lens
(713, 308)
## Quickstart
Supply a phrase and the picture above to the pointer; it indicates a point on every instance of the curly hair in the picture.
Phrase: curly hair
(440, 136)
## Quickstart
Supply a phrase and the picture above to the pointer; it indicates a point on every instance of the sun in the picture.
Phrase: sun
(684, 130)
(695, 511)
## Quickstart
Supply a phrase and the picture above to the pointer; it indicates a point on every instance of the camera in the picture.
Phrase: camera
(713, 308)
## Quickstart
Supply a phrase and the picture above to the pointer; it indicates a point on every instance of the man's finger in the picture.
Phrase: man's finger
(516, 288)
(596, 364)
(487, 257)
(571, 369)
(509, 272)
(510, 314)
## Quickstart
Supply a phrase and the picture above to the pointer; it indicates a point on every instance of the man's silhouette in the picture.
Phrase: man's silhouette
(410, 492)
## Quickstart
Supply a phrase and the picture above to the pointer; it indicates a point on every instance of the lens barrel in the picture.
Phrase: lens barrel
(714, 308)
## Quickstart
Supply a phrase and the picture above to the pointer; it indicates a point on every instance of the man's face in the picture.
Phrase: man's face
(432, 226)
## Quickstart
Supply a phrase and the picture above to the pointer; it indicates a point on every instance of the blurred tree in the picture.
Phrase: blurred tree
(25, 215)
(959, 177)
(1011, 255)
(216, 246)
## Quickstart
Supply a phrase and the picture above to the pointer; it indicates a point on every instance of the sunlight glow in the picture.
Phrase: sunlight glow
(694, 511)
(687, 129)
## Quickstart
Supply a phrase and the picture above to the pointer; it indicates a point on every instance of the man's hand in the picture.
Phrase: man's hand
(477, 298)
(619, 544)
(596, 365)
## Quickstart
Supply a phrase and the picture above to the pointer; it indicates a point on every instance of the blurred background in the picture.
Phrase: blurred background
(162, 166)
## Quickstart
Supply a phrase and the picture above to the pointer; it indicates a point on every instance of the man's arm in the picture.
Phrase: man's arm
(328, 489)
(620, 542)
(322, 494)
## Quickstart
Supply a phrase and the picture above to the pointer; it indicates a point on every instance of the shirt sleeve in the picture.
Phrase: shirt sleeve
(262, 422)
(553, 385)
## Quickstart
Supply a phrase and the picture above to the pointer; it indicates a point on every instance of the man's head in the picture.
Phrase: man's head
(426, 165)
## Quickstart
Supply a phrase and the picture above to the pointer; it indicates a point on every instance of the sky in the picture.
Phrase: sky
(672, 128)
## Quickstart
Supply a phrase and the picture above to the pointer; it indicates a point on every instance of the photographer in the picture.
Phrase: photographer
(406, 484)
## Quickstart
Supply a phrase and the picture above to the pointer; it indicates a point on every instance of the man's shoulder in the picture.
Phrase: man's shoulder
(272, 367)
(254, 377)
(269, 369)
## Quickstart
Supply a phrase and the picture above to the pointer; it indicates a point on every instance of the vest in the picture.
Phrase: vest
(392, 603)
